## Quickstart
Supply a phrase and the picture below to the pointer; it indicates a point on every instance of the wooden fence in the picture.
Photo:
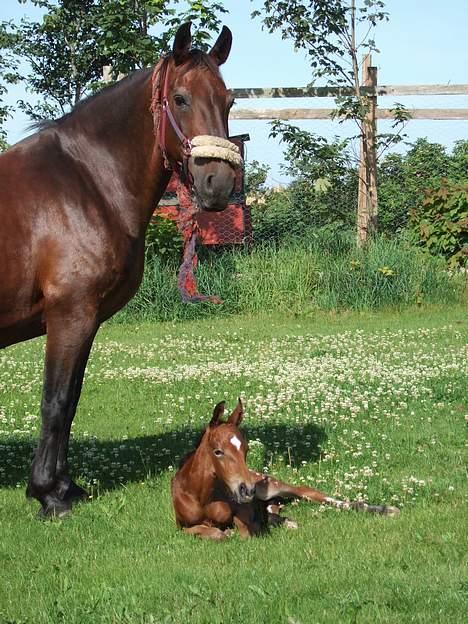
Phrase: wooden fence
(367, 193)
(324, 113)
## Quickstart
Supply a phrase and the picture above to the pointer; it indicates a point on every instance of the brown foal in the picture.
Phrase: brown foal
(214, 490)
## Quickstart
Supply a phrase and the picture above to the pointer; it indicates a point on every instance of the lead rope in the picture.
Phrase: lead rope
(201, 146)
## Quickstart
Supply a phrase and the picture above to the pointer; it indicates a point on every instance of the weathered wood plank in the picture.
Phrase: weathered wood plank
(296, 92)
(287, 114)
(449, 89)
(429, 113)
(281, 113)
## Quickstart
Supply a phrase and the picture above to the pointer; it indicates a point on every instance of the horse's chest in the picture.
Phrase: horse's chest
(122, 277)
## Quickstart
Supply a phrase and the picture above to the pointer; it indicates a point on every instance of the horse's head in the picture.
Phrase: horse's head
(228, 449)
(199, 103)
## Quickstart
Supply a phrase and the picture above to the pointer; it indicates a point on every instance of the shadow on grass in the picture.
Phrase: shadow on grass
(115, 462)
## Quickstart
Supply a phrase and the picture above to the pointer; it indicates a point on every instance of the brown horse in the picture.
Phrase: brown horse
(75, 202)
(214, 490)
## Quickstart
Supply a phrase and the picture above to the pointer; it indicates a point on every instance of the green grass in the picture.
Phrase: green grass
(368, 405)
(319, 272)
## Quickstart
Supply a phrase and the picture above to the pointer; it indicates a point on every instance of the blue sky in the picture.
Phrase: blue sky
(424, 42)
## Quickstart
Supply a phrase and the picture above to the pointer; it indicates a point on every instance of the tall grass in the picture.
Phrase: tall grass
(322, 271)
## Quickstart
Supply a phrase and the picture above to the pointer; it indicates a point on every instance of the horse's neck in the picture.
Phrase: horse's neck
(200, 472)
(113, 135)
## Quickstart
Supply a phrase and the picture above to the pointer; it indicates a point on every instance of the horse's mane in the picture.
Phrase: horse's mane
(196, 58)
(43, 124)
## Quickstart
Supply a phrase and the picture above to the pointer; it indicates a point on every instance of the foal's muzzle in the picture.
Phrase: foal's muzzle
(244, 493)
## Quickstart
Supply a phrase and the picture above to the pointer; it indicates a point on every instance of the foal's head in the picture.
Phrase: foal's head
(200, 103)
(228, 449)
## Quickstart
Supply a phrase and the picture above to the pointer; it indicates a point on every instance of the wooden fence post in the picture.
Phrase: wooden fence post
(367, 187)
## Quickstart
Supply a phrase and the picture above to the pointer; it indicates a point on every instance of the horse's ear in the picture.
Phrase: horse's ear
(236, 417)
(220, 51)
(217, 414)
(182, 43)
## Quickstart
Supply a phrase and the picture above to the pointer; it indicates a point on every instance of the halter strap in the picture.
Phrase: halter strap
(207, 146)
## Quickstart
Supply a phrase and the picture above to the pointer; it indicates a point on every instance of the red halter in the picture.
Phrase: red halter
(162, 113)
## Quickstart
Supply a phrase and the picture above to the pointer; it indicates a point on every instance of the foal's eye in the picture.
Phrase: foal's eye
(218, 452)
(180, 100)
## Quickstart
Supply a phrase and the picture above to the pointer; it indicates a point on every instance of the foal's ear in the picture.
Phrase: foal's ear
(237, 415)
(220, 51)
(217, 414)
(182, 43)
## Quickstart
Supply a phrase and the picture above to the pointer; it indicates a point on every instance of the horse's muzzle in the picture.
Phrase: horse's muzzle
(214, 182)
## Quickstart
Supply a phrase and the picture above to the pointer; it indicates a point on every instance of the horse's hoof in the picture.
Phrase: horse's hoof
(391, 511)
(75, 493)
(290, 524)
(57, 510)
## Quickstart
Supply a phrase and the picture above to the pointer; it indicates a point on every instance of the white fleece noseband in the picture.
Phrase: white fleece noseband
(208, 146)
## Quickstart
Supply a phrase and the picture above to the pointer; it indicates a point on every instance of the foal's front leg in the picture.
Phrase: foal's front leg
(268, 488)
(70, 333)
(206, 532)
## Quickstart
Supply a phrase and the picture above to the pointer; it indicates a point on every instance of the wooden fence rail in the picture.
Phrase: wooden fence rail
(301, 92)
(325, 113)
(287, 114)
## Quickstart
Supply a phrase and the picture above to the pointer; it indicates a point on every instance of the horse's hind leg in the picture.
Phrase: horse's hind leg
(70, 333)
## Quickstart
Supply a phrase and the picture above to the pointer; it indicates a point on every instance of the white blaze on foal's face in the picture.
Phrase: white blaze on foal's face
(235, 442)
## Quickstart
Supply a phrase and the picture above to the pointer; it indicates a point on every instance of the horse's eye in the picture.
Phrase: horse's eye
(180, 100)
(218, 452)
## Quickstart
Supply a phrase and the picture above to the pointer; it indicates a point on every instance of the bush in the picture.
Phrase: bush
(325, 185)
(440, 224)
(303, 207)
(404, 178)
(163, 239)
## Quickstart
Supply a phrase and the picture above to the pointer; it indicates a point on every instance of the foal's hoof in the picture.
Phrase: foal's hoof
(290, 524)
(390, 511)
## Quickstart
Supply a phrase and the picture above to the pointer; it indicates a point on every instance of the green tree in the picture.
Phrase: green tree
(334, 34)
(62, 53)
(8, 75)
(128, 37)
(67, 50)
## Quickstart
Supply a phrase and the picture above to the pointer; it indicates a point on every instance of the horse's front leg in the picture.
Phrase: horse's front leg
(70, 333)
(67, 489)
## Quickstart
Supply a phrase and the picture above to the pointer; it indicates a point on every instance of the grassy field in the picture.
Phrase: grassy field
(364, 405)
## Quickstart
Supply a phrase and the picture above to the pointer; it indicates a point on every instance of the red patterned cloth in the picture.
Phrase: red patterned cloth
(188, 227)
